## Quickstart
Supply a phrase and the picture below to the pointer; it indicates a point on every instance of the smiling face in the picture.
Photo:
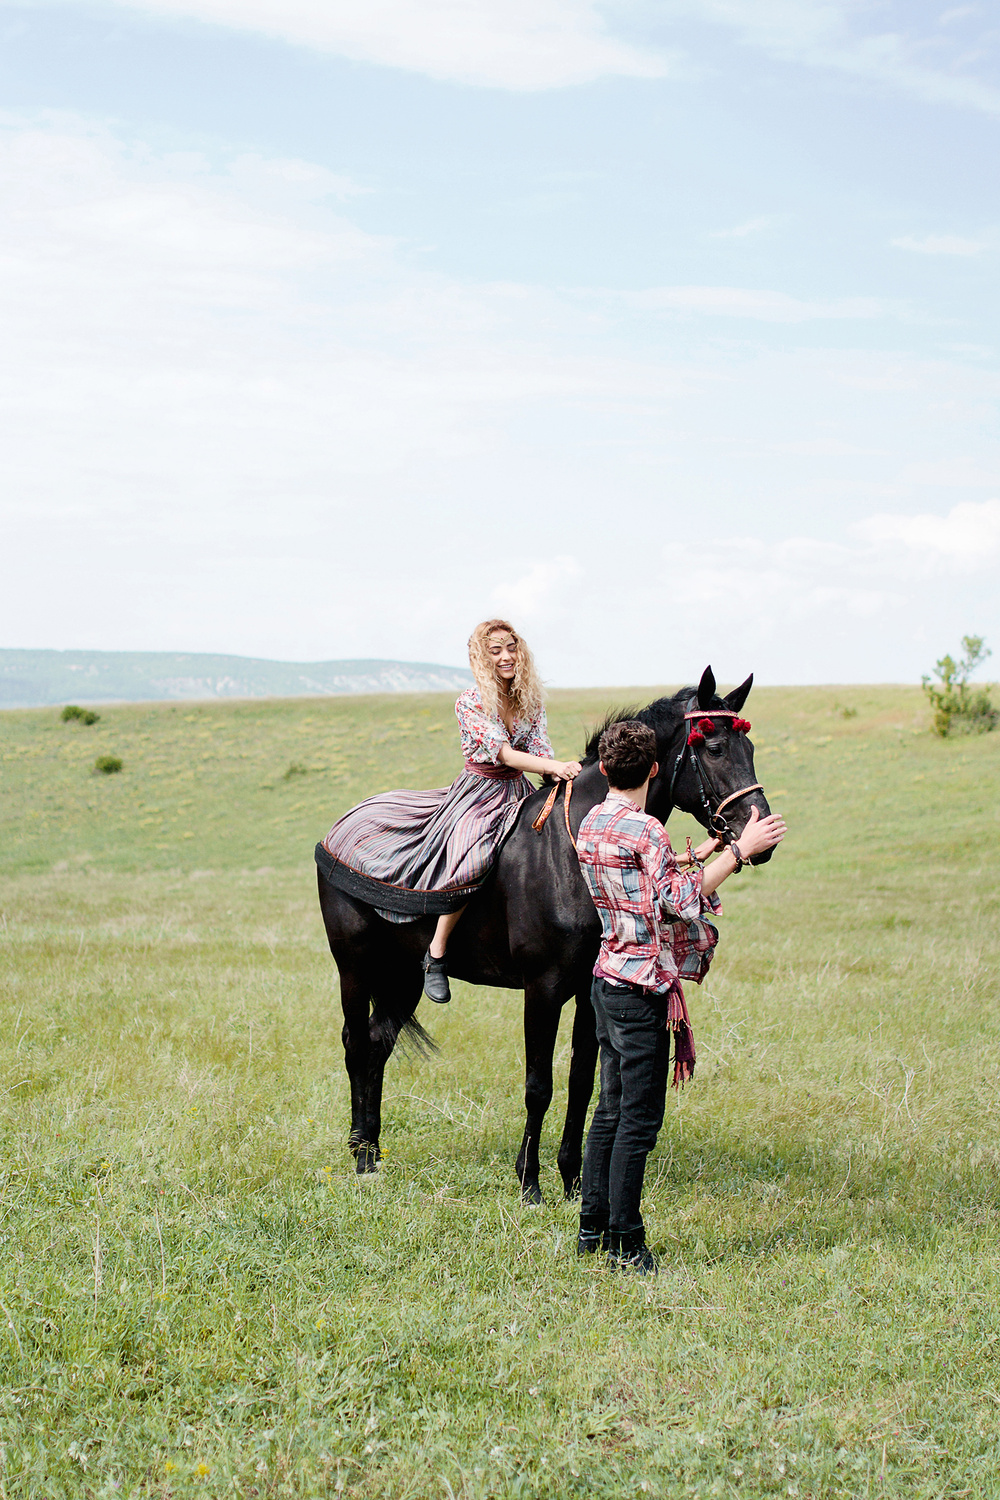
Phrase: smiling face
(501, 647)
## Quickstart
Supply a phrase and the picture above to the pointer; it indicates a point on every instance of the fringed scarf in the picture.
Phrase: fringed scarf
(679, 1022)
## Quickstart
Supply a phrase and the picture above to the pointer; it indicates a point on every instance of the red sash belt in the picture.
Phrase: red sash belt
(492, 773)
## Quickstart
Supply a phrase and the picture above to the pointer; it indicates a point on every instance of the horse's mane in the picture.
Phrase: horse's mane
(653, 714)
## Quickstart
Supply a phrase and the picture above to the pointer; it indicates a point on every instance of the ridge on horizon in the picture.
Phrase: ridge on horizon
(44, 678)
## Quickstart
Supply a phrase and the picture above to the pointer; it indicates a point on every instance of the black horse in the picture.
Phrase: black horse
(532, 926)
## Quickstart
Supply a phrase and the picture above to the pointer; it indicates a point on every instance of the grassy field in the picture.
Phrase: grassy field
(197, 1296)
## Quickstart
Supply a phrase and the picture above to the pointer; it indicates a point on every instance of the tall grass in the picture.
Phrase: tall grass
(197, 1296)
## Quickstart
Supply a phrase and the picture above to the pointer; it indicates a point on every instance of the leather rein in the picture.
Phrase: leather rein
(550, 803)
(716, 822)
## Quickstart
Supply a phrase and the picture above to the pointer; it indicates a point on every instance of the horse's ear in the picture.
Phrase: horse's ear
(706, 688)
(736, 699)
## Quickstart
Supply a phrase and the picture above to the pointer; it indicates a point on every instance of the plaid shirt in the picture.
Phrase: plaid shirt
(652, 912)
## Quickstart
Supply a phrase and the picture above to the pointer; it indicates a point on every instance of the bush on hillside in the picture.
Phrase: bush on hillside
(74, 711)
(959, 708)
(108, 764)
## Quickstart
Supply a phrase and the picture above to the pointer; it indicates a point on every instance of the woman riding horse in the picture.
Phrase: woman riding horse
(412, 854)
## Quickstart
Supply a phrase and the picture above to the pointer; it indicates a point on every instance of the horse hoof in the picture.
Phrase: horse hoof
(366, 1157)
(571, 1189)
(531, 1193)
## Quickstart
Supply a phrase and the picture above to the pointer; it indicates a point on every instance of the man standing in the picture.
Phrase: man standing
(654, 933)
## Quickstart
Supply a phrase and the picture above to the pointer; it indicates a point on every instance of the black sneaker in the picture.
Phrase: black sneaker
(640, 1263)
(436, 979)
(629, 1252)
(593, 1236)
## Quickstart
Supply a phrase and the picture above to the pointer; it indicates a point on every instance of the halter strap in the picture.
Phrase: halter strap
(733, 796)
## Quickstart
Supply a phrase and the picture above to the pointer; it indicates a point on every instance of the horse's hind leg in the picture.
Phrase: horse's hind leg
(367, 1155)
(583, 1060)
(395, 1000)
(354, 997)
(541, 1024)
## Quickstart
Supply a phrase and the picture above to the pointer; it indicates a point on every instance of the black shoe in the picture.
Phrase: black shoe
(436, 979)
(629, 1252)
(593, 1235)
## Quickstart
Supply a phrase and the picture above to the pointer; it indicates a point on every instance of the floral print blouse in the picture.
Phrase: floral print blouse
(483, 736)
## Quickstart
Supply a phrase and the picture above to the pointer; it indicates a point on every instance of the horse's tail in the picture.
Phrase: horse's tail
(393, 1025)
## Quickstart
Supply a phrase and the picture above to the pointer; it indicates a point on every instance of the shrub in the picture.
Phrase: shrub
(108, 764)
(295, 769)
(959, 708)
(74, 711)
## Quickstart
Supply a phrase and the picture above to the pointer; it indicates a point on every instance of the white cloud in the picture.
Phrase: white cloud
(544, 44)
(966, 540)
(803, 608)
(287, 178)
(833, 34)
(799, 608)
(763, 306)
(540, 591)
(236, 421)
(940, 244)
(742, 231)
(883, 557)
(795, 580)
(515, 44)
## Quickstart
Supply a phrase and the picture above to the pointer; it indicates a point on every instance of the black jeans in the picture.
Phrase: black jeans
(635, 1054)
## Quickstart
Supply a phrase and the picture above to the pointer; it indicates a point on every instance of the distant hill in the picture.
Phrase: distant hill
(35, 679)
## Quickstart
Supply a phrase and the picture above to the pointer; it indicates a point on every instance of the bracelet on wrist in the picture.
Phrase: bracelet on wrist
(691, 860)
(734, 850)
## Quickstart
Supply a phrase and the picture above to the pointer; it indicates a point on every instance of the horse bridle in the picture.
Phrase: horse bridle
(716, 822)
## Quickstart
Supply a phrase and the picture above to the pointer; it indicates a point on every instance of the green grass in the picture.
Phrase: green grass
(198, 1298)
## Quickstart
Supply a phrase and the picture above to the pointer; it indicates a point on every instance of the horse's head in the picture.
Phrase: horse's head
(706, 759)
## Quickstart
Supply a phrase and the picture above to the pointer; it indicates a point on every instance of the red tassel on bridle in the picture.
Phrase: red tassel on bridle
(706, 725)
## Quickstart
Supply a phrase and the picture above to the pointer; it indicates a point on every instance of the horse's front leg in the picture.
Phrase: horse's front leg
(583, 1060)
(543, 1004)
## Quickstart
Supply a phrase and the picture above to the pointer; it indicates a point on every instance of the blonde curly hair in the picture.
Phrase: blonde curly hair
(526, 690)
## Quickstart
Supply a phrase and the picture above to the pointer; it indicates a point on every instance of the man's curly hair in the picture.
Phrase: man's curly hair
(627, 751)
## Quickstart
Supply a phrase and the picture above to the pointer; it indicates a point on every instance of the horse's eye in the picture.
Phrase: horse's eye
(715, 747)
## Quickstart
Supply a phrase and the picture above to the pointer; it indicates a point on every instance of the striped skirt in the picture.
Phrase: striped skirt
(415, 854)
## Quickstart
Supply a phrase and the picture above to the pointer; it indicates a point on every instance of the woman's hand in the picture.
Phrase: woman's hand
(760, 833)
(561, 770)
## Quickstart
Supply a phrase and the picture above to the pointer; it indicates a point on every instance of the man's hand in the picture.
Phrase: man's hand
(760, 833)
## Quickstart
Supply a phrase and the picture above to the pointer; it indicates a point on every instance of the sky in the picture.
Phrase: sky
(667, 328)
